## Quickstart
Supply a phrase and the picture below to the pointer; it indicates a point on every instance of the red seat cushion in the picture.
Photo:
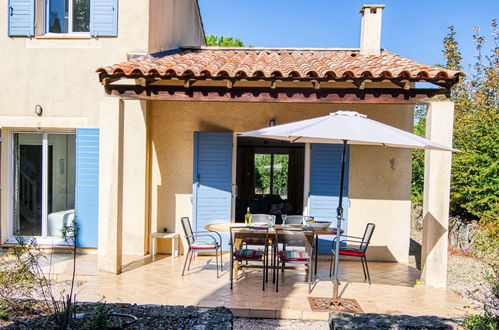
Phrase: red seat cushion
(248, 254)
(352, 252)
(200, 245)
(294, 256)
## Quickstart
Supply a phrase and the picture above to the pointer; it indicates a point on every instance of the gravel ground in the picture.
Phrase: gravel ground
(464, 273)
(264, 324)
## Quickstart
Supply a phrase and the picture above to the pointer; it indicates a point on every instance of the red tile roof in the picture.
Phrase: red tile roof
(239, 63)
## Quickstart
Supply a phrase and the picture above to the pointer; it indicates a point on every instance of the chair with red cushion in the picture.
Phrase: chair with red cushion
(200, 241)
(296, 248)
(355, 252)
(246, 254)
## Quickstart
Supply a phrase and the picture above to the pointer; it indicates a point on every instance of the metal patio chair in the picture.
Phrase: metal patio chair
(200, 241)
(300, 253)
(260, 219)
(247, 254)
(355, 252)
(295, 220)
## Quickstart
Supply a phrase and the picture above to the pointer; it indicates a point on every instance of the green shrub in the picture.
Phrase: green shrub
(480, 322)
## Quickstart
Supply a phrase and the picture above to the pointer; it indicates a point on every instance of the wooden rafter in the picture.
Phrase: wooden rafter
(285, 95)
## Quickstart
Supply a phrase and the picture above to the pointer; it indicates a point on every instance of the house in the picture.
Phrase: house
(166, 132)
(49, 113)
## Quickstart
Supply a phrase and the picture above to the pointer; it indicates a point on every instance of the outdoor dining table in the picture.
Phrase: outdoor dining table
(241, 235)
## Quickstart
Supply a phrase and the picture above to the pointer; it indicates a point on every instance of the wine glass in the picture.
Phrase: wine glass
(284, 216)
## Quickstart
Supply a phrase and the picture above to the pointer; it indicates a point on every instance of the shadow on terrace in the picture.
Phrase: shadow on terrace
(159, 281)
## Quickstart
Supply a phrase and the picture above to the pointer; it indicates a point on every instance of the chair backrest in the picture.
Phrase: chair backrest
(186, 224)
(368, 233)
(247, 231)
(296, 237)
(263, 218)
(295, 220)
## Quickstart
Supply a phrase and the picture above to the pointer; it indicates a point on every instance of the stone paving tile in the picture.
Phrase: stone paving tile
(159, 281)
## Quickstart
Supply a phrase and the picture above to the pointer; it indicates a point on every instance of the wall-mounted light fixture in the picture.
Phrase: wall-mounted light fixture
(272, 122)
(38, 110)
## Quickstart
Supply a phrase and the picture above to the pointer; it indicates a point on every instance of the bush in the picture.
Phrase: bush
(480, 322)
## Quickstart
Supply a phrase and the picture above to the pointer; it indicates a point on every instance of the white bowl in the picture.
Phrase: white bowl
(322, 225)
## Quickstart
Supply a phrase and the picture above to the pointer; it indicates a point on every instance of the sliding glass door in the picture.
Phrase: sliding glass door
(44, 183)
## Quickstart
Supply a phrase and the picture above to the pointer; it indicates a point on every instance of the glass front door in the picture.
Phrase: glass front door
(44, 183)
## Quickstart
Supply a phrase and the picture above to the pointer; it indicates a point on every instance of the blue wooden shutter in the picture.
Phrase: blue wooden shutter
(87, 186)
(325, 170)
(21, 18)
(104, 18)
(212, 179)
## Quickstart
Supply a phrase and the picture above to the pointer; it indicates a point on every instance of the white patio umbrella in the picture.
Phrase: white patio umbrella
(344, 127)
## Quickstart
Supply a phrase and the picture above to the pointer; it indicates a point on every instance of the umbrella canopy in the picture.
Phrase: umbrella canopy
(345, 127)
(348, 126)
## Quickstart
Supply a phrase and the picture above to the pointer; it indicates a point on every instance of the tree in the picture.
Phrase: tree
(475, 171)
(221, 41)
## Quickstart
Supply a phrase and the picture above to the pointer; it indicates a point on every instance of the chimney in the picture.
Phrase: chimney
(370, 32)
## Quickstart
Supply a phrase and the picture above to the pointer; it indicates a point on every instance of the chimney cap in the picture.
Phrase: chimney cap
(371, 7)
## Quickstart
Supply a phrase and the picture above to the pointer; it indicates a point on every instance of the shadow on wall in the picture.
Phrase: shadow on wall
(433, 234)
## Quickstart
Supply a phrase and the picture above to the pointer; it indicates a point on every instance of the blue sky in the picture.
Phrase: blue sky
(411, 28)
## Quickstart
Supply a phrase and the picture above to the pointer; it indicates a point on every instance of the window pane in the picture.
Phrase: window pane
(58, 16)
(281, 175)
(61, 182)
(81, 15)
(28, 184)
(262, 173)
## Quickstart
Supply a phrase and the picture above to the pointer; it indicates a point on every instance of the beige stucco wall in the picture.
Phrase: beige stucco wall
(59, 74)
(380, 178)
(180, 16)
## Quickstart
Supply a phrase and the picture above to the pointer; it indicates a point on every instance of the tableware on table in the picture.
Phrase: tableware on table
(318, 225)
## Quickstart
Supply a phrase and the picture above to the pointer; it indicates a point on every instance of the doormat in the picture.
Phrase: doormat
(334, 305)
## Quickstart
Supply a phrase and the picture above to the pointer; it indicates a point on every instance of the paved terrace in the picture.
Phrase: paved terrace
(159, 281)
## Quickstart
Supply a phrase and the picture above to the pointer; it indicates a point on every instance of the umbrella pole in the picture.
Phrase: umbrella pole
(339, 216)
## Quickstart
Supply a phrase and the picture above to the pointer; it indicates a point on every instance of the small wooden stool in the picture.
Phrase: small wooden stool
(172, 236)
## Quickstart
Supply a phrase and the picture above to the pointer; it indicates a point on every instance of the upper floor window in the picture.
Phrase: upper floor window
(68, 16)
(97, 17)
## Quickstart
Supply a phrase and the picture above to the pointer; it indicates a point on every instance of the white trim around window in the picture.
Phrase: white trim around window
(42, 240)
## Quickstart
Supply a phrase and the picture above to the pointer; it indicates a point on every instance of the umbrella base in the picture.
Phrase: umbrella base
(319, 304)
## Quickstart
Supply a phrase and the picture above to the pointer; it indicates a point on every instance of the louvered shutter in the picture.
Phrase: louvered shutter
(325, 170)
(21, 17)
(212, 179)
(87, 186)
(104, 18)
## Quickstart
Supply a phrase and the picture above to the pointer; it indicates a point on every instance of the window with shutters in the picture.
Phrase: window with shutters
(96, 18)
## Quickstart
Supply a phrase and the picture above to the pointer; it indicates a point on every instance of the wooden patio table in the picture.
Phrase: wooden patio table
(241, 235)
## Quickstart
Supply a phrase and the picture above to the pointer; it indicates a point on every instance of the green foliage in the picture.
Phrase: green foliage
(101, 319)
(17, 278)
(221, 41)
(417, 186)
(480, 322)
(280, 173)
(475, 171)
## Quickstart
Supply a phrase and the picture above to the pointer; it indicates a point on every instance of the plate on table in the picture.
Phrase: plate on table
(319, 225)
(260, 224)
(295, 225)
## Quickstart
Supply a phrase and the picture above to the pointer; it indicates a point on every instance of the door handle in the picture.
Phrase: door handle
(11, 10)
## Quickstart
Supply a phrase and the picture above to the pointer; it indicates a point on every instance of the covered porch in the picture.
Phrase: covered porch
(148, 145)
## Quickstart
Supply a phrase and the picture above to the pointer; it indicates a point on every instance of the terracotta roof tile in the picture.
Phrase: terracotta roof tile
(206, 62)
